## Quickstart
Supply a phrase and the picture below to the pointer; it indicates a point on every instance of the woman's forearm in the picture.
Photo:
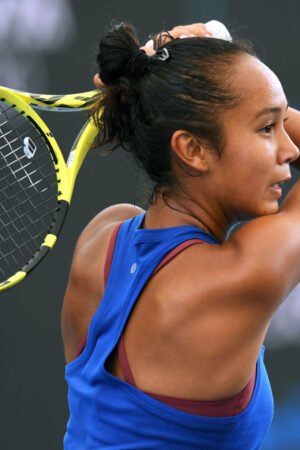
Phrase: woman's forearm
(292, 126)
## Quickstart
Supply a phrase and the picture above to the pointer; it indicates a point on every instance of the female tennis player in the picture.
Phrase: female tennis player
(176, 315)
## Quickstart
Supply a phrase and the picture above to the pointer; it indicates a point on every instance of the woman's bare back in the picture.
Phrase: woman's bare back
(195, 331)
(186, 342)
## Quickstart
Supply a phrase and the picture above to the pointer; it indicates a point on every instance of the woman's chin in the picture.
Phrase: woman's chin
(270, 208)
(263, 210)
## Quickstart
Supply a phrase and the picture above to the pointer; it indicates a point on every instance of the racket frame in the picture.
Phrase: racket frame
(66, 173)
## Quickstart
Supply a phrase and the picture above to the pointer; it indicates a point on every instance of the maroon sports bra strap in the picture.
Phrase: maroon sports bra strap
(175, 252)
(124, 364)
(110, 252)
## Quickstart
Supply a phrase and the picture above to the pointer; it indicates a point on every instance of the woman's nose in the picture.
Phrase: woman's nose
(289, 151)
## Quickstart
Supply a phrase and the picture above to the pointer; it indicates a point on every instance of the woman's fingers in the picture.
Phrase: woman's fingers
(193, 30)
(184, 31)
(97, 81)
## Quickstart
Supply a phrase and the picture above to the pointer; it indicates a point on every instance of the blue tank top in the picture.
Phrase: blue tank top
(108, 413)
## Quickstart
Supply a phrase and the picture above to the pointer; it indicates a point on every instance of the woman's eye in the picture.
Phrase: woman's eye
(269, 127)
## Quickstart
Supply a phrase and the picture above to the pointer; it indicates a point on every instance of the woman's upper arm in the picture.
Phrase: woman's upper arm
(268, 260)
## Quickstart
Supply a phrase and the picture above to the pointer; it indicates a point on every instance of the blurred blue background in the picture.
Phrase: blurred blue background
(49, 47)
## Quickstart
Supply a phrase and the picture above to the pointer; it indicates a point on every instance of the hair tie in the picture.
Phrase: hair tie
(162, 54)
(138, 63)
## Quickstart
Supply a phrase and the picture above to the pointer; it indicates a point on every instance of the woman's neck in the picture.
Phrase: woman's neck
(170, 212)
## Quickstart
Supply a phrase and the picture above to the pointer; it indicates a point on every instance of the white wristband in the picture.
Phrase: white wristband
(149, 43)
(218, 30)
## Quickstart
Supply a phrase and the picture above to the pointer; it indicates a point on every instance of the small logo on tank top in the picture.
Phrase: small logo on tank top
(133, 268)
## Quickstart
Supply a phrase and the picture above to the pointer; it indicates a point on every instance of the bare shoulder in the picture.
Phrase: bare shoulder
(266, 251)
(93, 242)
(86, 282)
(108, 216)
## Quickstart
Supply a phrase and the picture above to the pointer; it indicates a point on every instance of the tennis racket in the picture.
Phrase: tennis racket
(36, 184)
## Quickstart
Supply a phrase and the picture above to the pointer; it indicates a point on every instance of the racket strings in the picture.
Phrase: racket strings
(41, 166)
(25, 227)
(23, 216)
(28, 190)
(20, 245)
(23, 167)
(8, 155)
(27, 198)
(16, 182)
(23, 202)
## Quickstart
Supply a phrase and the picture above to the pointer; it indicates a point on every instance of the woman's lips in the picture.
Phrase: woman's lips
(276, 189)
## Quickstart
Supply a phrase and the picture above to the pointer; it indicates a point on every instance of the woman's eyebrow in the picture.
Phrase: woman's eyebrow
(275, 110)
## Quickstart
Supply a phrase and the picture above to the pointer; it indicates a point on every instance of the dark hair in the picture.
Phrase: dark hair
(186, 91)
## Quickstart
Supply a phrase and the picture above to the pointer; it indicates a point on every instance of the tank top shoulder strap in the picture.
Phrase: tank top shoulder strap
(167, 258)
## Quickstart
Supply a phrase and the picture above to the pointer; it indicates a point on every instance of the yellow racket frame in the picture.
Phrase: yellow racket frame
(67, 102)
(66, 172)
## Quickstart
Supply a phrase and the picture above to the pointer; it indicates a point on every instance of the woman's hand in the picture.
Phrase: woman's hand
(292, 127)
(97, 81)
(193, 30)
(181, 31)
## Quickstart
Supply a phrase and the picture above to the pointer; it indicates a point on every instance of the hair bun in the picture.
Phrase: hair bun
(138, 63)
(120, 56)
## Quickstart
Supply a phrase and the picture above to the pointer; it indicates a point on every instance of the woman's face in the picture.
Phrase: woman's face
(257, 148)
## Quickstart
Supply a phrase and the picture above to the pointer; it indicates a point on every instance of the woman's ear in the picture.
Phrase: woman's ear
(190, 150)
